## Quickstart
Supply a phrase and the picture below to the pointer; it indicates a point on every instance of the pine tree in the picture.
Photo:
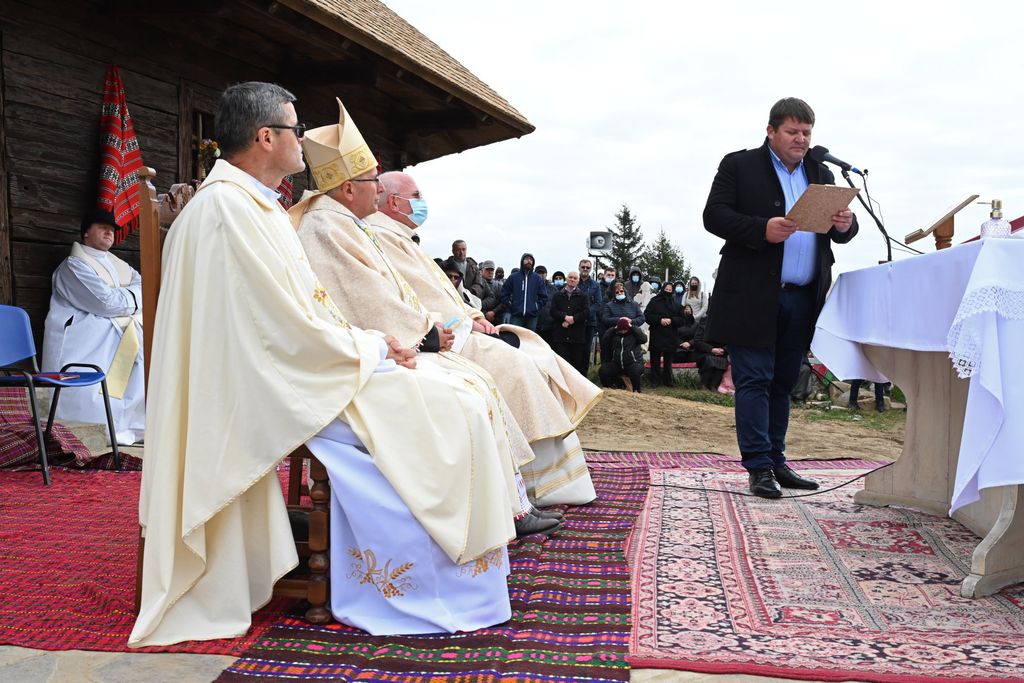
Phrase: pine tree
(627, 242)
(661, 256)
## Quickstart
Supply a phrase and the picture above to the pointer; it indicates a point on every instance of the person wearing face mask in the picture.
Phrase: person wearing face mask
(490, 302)
(524, 294)
(637, 289)
(679, 292)
(696, 298)
(608, 278)
(620, 306)
(570, 310)
(664, 316)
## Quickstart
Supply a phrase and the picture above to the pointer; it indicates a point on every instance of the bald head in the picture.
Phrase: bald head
(399, 189)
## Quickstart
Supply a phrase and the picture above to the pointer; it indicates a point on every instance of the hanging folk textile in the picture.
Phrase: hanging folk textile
(120, 158)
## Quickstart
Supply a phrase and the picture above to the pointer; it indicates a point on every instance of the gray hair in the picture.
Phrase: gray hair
(243, 109)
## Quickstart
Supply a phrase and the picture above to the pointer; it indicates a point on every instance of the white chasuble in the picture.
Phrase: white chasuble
(251, 359)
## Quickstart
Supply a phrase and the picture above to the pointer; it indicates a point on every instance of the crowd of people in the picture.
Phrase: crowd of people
(633, 322)
(332, 325)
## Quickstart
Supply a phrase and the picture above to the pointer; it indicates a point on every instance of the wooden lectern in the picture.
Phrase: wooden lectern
(942, 228)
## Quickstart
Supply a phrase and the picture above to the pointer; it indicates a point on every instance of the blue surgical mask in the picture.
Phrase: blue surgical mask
(679, 289)
(655, 286)
(558, 283)
(419, 211)
(634, 278)
(620, 297)
(609, 280)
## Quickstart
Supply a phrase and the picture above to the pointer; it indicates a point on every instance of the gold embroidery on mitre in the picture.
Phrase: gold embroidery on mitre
(359, 161)
(390, 582)
(328, 176)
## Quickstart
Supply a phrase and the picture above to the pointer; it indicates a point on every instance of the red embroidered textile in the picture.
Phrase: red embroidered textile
(120, 158)
(285, 188)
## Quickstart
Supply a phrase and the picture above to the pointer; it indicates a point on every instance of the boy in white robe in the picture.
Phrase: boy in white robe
(96, 317)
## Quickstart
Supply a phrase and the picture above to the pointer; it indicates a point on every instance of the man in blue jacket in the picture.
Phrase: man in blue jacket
(524, 294)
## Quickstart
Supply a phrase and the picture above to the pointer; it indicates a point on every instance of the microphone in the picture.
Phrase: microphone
(820, 154)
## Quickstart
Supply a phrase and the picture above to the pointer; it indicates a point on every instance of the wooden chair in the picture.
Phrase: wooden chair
(311, 580)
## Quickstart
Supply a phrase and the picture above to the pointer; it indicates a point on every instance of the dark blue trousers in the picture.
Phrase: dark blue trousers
(765, 377)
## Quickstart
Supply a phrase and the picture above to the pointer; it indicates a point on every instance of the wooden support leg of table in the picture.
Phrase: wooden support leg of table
(923, 476)
(998, 561)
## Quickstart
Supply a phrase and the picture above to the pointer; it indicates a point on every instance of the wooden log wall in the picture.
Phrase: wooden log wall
(53, 58)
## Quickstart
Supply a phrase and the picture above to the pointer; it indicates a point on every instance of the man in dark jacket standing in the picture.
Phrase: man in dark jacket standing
(771, 284)
(570, 313)
(622, 353)
(471, 278)
(524, 294)
(664, 316)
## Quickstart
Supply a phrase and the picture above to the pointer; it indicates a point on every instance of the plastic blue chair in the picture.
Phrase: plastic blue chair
(17, 345)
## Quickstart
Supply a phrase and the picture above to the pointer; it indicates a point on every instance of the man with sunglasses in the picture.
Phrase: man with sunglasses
(252, 359)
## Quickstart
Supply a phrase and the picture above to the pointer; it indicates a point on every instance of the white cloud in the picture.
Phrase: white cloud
(638, 105)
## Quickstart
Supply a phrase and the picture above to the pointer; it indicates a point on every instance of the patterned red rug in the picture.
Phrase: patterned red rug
(67, 564)
(570, 622)
(812, 588)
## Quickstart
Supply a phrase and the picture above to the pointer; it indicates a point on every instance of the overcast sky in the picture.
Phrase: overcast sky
(637, 103)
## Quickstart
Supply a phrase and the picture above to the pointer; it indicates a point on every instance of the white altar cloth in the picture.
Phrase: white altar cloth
(968, 301)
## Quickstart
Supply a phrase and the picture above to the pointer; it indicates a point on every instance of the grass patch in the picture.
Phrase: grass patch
(889, 420)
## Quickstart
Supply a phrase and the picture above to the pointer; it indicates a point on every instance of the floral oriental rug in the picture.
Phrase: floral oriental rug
(815, 588)
(570, 615)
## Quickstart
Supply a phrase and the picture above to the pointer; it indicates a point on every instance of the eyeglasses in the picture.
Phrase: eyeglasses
(584, 267)
(366, 180)
(299, 129)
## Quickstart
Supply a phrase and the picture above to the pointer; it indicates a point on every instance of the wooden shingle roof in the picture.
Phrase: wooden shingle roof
(373, 25)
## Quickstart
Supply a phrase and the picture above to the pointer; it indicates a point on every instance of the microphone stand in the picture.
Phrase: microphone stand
(881, 228)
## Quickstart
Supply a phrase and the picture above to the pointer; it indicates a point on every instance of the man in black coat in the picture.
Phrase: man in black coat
(771, 284)
(570, 313)
(622, 353)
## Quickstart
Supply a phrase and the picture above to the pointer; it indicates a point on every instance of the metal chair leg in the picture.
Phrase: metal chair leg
(53, 410)
(39, 434)
(110, 426)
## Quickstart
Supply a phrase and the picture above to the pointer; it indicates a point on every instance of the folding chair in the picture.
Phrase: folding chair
(16, 346)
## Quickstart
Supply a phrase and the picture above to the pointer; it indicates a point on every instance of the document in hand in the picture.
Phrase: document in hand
(814, 210)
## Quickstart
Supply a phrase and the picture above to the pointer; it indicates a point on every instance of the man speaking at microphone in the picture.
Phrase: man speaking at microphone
(771, 284)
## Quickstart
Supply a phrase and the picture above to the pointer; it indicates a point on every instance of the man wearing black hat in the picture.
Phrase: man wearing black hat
(96, 317)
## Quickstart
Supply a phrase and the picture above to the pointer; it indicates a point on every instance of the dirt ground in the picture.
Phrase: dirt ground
(648, 422)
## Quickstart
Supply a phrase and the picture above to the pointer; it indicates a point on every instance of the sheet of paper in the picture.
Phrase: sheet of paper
(814, 210)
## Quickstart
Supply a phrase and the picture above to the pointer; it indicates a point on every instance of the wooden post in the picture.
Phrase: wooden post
(6, 272)
(150, 246)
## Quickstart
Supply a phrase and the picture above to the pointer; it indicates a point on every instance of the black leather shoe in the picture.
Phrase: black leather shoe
(547, 514)
(763, 484)
(791, 480)
(531, 524)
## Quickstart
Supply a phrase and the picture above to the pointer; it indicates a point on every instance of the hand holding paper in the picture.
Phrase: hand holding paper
(820, 206)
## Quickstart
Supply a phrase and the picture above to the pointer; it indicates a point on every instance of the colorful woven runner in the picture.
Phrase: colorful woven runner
(67, 564)
(120, 158)
(816, 588)
(570, 622)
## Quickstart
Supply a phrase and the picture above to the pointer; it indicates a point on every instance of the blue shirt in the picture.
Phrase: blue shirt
(800, 250)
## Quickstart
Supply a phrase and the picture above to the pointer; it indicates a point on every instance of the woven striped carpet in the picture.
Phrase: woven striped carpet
(67, 564)
(570, 601)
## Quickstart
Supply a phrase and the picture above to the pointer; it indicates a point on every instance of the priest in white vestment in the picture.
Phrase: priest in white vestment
(548, 397)
(96, 317)
(349, 261)
(251, 358)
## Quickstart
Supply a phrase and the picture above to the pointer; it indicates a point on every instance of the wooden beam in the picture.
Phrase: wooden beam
(133, 8)
(335, 72)
(6, 274)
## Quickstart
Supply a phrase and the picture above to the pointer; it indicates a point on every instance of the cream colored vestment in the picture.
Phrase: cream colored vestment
(251, 359)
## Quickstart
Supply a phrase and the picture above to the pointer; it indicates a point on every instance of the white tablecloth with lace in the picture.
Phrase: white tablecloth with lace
(968, 301)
